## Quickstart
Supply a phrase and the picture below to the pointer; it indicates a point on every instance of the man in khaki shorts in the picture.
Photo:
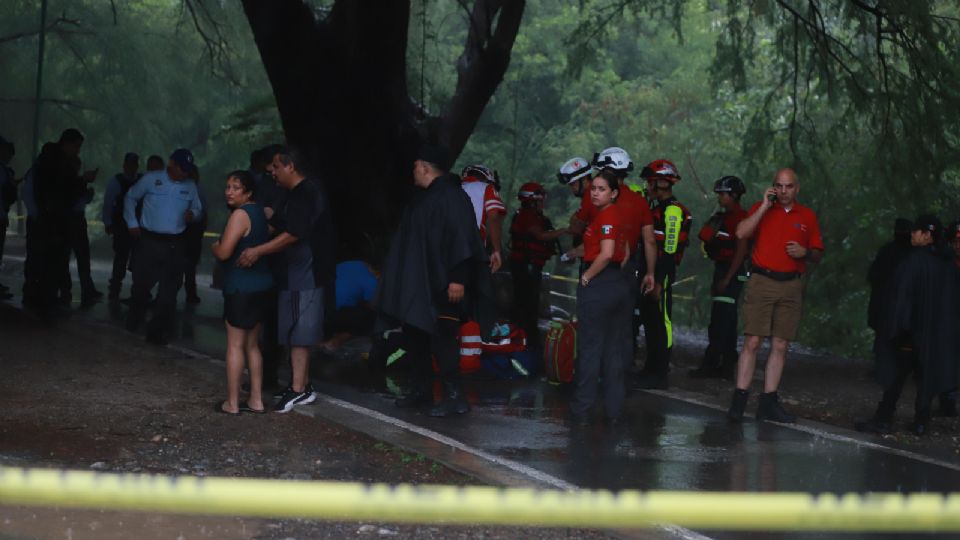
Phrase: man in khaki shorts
(785, 236)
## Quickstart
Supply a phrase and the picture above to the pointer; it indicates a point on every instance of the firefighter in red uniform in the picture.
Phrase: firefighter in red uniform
(575, 174)
(637, 225)
(720, 243)
(482, 186)
(671, 228)
(533, 242)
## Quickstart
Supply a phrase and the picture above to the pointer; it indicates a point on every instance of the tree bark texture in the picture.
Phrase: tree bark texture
(340, 82)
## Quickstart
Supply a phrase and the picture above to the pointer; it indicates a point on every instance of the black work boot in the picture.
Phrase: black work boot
(707, 370)
(948, 404)
(881, 422)
(728, 367)
(770, 409)
(738, 404)
(453, 402)
(875, 424)
(651, 382)
(419, 396)
(921, 423)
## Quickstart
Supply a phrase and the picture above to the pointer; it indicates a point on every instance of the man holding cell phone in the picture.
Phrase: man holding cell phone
(785, 237)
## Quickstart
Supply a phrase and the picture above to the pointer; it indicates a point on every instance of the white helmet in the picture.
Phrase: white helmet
(482, 173)
(614, 158)
(573, 170)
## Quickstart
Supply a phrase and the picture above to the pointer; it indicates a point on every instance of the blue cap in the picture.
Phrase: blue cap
(184, 159)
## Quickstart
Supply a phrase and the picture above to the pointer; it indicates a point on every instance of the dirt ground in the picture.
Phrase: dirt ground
(89, 396)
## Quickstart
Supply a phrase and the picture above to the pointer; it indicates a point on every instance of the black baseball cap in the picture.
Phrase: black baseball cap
(184, 159)
(435, 154)
(928, 223)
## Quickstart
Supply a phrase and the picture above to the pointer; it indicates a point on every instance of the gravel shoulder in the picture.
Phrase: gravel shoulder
(89, 396)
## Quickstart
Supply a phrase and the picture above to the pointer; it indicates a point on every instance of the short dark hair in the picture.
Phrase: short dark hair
(259, 157)
(155, 159)
(71, 135)
(246, 180)
(291, 155)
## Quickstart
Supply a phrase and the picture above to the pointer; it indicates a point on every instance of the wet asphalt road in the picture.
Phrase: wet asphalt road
(664, 443)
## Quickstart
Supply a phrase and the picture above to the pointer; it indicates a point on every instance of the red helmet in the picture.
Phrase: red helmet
(661, 169)
(531, 191)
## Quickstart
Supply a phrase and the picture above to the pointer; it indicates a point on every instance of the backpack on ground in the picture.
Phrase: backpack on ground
(560, 352)
(505, 338)
(516, 365)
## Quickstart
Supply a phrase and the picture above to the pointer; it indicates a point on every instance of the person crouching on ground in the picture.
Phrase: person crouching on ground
(604, 304)
(246, 292)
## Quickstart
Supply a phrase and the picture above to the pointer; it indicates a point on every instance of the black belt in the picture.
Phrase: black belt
(162, 236)
(776, 276)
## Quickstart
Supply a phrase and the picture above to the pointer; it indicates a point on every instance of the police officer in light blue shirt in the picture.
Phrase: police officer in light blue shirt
(170, 201)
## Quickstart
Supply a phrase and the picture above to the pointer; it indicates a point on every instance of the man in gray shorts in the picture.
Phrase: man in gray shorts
(306, 268)
(785, 235)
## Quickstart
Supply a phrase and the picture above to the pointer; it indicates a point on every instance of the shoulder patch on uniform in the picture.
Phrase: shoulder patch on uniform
(607, 229)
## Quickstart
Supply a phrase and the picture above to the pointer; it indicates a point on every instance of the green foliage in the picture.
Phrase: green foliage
(749, 89)
(868, 119)
(138, 80)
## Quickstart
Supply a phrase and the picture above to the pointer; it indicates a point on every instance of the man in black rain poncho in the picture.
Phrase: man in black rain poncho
(917, 328)
(435, 276)
(882, 267)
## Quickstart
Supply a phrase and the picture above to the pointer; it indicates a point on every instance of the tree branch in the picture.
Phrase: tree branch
(62, 103)
(54, 27)
(211, 32)
(486, 56)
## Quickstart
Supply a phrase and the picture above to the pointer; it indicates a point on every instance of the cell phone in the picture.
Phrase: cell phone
(772, 197)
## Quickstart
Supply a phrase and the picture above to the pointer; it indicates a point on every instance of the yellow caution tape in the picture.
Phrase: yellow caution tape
(886, 512)
(558, 277)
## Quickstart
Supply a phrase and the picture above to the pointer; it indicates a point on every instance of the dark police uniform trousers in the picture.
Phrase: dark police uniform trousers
(443, 345)
(603, 339)
(526, 297)
(122, 244)
(656, 315)
(722, 350)
(78, 243)
(160, 260)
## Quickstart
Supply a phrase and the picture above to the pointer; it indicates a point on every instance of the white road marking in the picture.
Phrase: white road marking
(819, 432)
(530, 472)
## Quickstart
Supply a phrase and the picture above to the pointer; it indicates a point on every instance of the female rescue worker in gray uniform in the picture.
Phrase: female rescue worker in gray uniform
(604, 304)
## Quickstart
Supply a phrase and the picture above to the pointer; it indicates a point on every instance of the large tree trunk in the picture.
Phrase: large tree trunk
(339, 79)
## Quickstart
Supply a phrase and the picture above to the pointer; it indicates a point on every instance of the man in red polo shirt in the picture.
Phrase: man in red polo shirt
(785, 236)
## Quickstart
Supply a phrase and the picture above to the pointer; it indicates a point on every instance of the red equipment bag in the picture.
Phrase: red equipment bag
(560, 352)
(506, 338)
(470, 347)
